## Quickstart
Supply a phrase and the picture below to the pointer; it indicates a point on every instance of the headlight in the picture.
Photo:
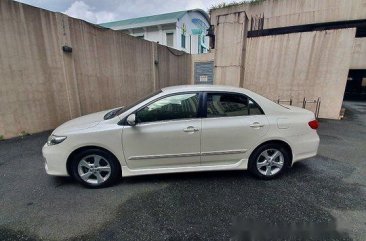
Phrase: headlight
(54, 140)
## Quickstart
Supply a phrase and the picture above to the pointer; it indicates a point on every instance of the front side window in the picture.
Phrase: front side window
(224, 105)
(182, 106)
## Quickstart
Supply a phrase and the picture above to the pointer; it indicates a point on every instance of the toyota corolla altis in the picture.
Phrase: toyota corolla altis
(183, 129)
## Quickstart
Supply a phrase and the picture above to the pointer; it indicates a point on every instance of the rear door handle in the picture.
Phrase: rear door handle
(256, 125)
(191, 129)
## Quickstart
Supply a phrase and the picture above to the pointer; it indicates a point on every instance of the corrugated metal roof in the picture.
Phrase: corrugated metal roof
(150, 20)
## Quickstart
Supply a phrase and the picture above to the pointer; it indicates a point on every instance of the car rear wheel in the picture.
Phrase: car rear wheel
(96, 168)
(269, 161)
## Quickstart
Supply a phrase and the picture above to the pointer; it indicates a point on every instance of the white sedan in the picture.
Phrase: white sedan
(183, 129)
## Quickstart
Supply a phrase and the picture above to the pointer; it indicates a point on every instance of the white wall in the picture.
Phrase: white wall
(191, 46)
(158, 33)
(155, 34)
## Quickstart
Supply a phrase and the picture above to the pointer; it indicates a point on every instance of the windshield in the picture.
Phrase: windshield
(113, 113)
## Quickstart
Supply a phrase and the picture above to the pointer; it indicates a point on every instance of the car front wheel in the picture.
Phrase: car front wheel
(95, 168)
(269, 161)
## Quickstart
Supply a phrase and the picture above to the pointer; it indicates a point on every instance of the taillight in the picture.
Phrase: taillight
(314, 124)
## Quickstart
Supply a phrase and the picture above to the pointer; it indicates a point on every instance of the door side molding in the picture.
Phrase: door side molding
(164, 156)
(212, 153)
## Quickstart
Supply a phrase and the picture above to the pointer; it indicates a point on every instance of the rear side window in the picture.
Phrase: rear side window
(254, 108)
(224, 105)
(228, 104)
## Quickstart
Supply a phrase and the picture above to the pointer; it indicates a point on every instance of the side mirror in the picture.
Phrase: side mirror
(131, 120)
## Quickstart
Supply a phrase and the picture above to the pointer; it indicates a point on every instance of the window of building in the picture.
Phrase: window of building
(183, 40)
(169, 39)
(199, 44)
(203, 49)
(182, 106)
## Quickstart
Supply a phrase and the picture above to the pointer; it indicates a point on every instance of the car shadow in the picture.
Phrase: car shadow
(297, 169)
(242, 175)
(62, 181)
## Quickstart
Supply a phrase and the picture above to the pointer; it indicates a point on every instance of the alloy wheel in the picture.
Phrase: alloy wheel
(94, 169)
(270, 162)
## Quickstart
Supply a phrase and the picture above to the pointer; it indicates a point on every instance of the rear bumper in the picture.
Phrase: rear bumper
(55, 160)
(305, 146)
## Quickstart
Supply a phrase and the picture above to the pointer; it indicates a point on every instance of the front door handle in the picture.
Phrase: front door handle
(256, 125)
(191, 129)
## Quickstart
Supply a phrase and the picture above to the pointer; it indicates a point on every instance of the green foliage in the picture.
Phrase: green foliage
(1, 137)
(23, 134)
(235, 3)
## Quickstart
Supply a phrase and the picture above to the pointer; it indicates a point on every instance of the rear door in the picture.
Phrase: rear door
(229, 129)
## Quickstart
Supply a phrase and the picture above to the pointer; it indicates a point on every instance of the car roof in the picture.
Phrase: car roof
(267, 105)
(179, 88)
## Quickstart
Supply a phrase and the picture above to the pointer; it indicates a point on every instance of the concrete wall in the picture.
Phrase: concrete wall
(42, 87)
(231, 35)
(311, 65)
(359, 54)
(282, 13)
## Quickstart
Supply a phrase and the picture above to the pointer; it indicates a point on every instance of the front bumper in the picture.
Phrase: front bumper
(55, 160)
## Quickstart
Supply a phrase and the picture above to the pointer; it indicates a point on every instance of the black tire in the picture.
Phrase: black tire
(106, 160)
(253, 159)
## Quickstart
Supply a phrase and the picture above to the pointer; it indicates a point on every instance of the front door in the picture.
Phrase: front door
(167, 134)
(233, 125)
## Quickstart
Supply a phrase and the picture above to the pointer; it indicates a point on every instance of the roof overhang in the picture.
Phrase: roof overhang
(144, 25)
(204, 13)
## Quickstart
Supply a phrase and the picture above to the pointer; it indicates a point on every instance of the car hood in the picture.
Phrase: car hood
(80, 123)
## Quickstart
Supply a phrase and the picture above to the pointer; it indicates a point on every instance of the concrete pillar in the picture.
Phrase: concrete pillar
(154, 67)
(231, 33)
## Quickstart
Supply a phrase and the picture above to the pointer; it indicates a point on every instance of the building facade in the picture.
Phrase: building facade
(183, 30)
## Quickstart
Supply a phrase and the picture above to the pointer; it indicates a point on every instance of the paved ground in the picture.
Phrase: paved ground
(322, 198)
